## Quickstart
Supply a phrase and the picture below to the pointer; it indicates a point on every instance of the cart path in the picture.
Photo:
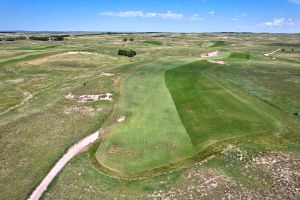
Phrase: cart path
(72, 152)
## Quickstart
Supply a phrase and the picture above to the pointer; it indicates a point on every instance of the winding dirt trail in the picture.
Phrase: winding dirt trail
(27, 95)
(72, 152)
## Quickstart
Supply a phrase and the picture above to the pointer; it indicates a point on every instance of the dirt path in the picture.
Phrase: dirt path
(72, 152)
(27, 95)
(269, 54)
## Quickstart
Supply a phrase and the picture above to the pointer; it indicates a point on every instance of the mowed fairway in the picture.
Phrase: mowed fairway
(157, 132)
(213, 110)
(152, 134)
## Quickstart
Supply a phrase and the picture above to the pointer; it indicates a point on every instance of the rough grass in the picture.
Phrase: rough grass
(36, 134)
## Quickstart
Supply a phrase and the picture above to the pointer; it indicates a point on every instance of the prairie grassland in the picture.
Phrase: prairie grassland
(36, 134)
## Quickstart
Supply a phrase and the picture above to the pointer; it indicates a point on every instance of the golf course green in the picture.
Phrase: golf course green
(173, 111)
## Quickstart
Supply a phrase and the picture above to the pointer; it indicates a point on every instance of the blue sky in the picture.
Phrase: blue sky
(151, 15)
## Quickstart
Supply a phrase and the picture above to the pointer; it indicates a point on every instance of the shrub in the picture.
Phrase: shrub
(129, 53)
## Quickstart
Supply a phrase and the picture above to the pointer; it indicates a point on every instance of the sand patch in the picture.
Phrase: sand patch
(211, 54)
(16, 81)
(91, 97)
(96, 97)
(106, 74)
(81, 52)
(121, 119)
(220, 62)
(70, 96)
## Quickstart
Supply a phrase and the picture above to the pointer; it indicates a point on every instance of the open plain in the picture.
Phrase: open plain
(190, 116)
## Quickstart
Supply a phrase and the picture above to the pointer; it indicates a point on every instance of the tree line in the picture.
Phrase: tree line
(40, 38)
(13, 38)
(47, 38)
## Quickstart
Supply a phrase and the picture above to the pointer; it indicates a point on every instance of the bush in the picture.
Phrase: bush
(129, 53)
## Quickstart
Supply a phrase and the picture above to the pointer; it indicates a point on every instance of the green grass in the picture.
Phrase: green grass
(212, 110)
(218, 44)
(25, 57)
(239, 56)
(9, 97)
(44, 47)
(152, 126)
(35, 135)
(153, 42)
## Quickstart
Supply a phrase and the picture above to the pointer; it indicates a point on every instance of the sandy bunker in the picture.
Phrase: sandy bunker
(211, 54)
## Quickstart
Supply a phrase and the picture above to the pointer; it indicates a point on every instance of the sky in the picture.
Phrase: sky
(280, 16)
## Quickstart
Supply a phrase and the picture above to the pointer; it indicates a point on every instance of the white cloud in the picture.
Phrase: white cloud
(212, 12)
(124, 14)
(167, 15)
(276, 22)
(170, 15)
(294, 1)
